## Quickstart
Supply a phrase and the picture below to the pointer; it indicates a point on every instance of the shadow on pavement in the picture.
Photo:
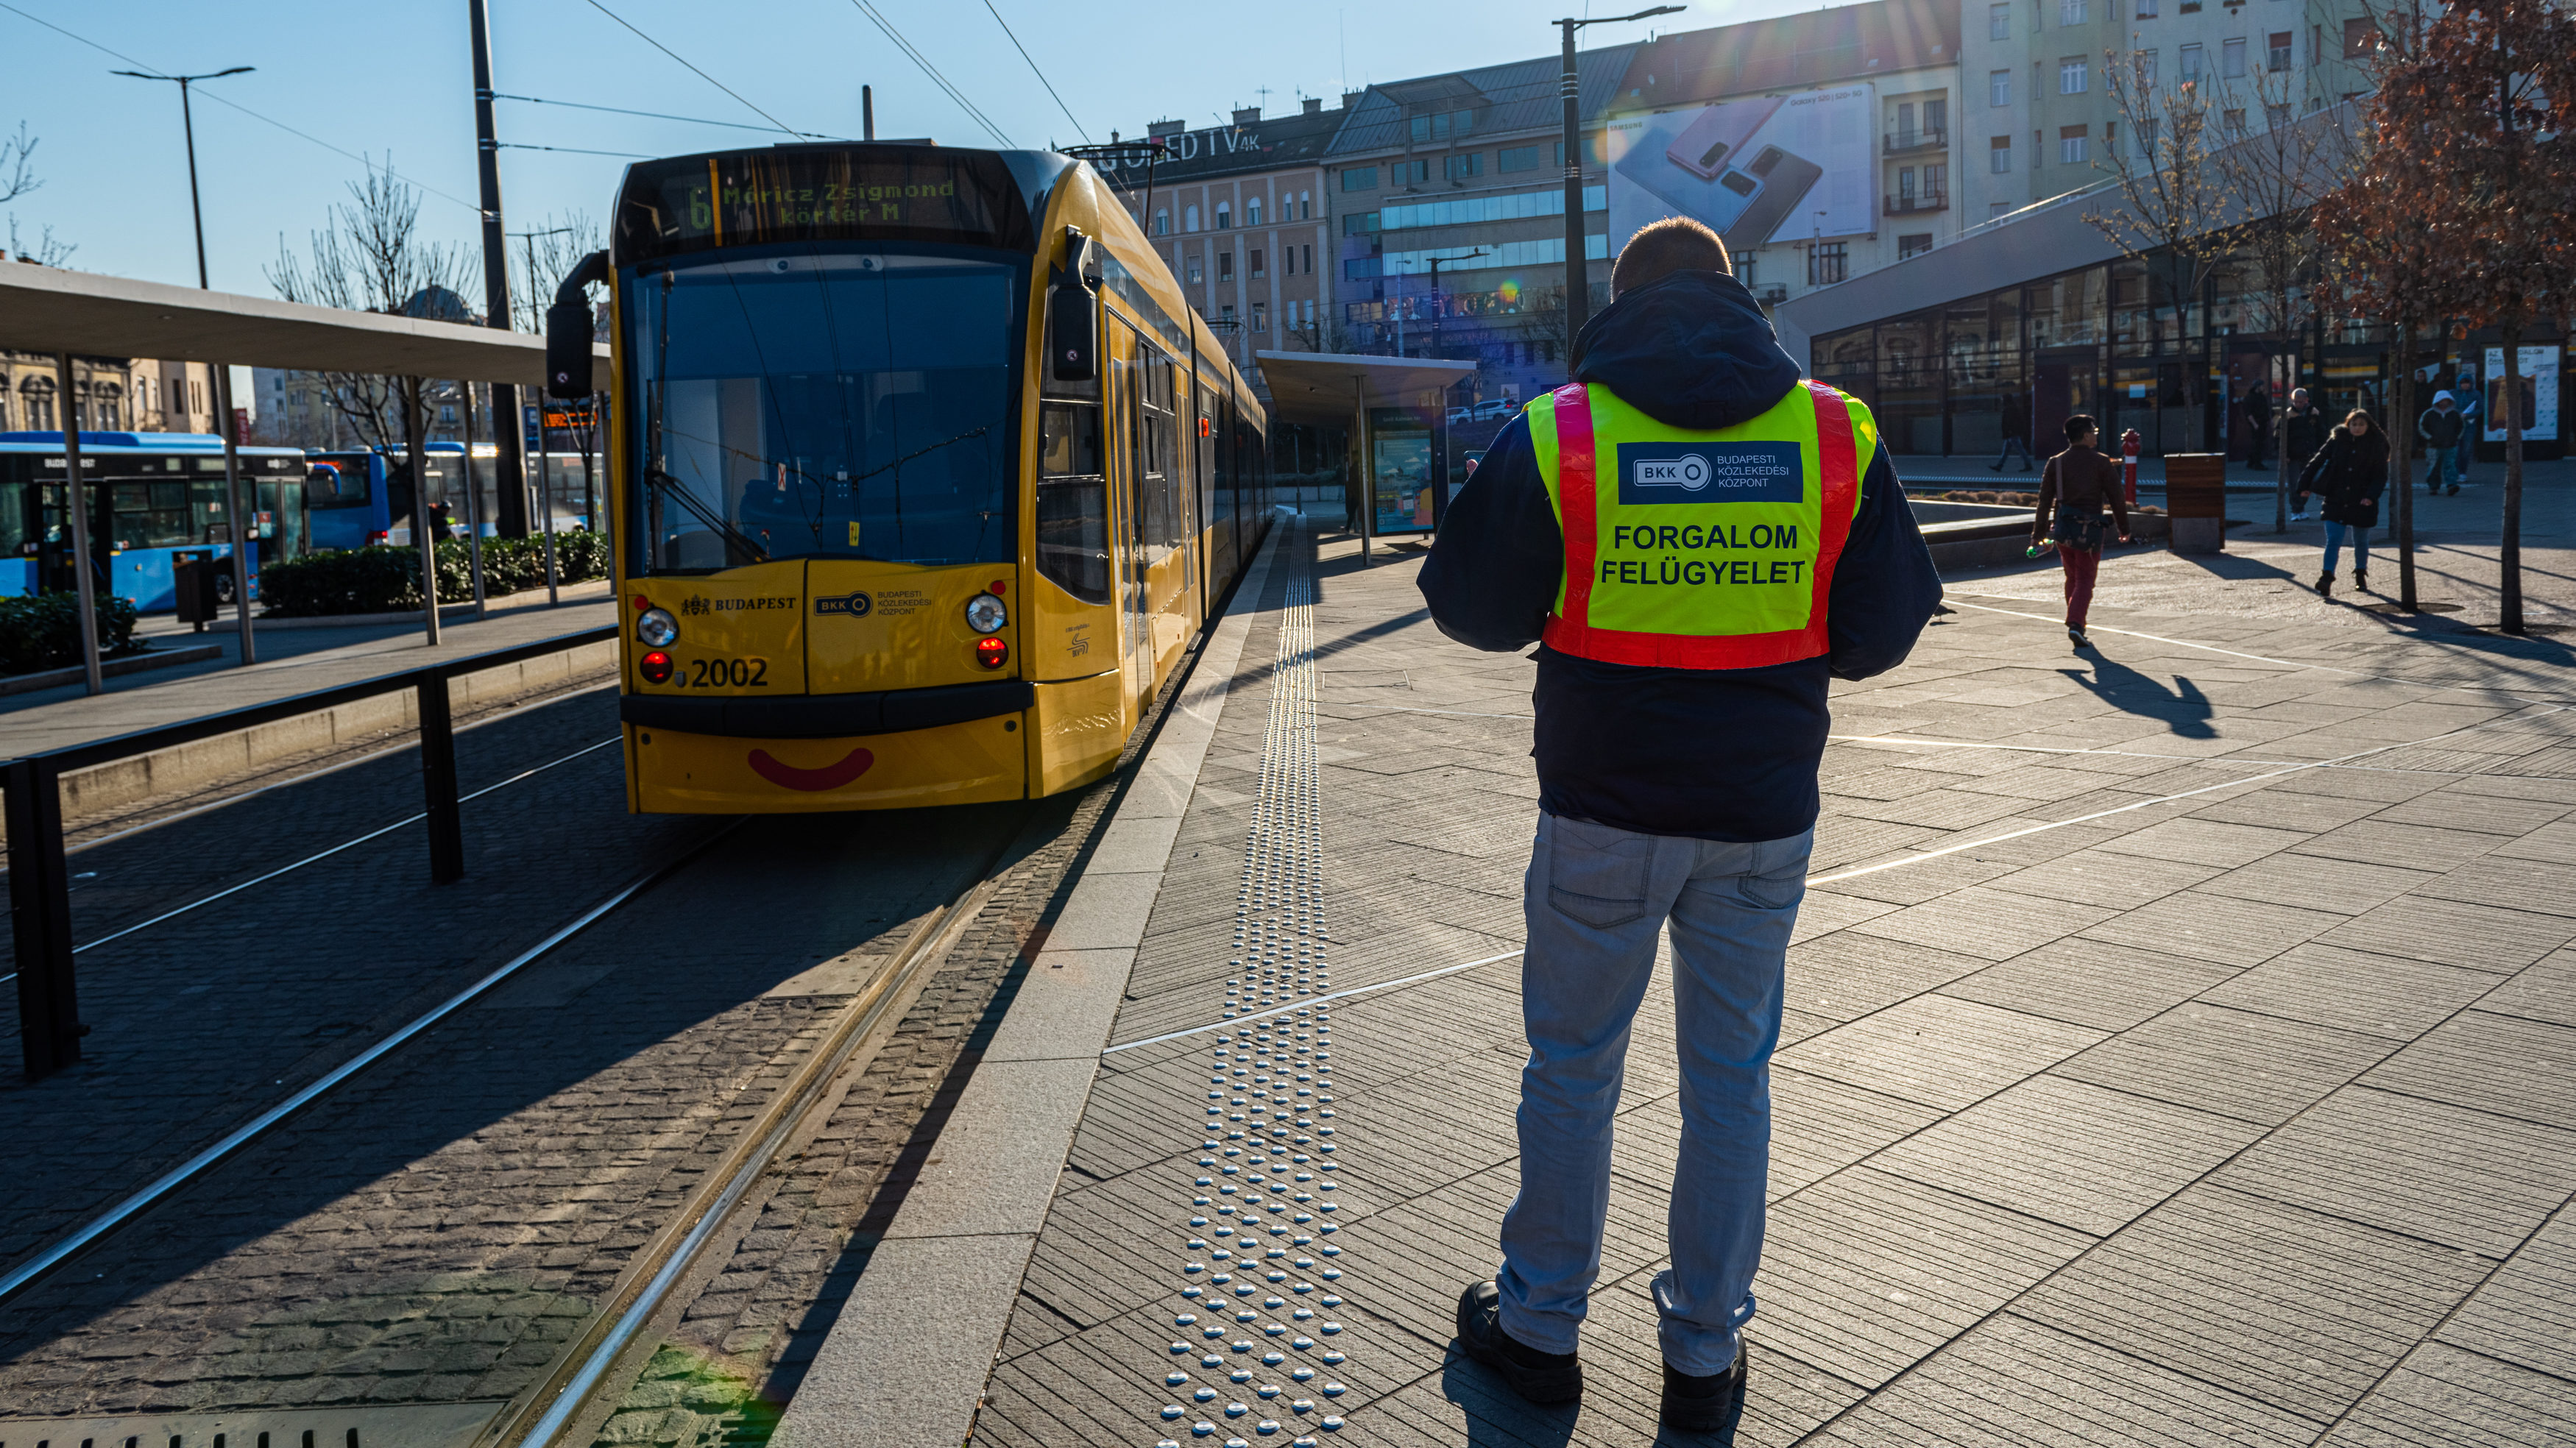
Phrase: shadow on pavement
(2183, 708)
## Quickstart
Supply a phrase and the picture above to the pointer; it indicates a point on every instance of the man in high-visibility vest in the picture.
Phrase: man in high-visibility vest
(1699, 541)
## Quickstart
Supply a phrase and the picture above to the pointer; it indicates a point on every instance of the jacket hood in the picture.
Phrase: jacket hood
(1691, 350)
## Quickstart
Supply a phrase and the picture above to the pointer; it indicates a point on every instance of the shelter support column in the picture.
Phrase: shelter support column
(76, 505)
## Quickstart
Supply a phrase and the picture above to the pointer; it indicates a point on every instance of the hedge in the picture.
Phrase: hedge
(43, 632)
(387, 579)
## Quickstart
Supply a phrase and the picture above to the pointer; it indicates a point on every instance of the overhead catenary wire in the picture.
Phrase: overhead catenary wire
(693, 70)
(927, 69)
(1079, 129)
(220, 100)
(653, 115)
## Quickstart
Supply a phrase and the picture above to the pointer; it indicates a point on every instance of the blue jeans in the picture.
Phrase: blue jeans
(2439, 461)
(1596, 898)
(2335, 534)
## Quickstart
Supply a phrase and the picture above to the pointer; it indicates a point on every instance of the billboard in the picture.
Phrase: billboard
(2538, 399)
(1757, 170)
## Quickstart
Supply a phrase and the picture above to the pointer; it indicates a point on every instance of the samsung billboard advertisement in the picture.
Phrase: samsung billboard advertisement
(1759, 170)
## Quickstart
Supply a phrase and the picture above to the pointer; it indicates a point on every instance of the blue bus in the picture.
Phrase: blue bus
(358, 497)
(151, 495)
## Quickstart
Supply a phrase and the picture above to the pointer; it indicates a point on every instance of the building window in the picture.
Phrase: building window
(2146, 9)
(2070, 12)
(1359, 223)
(1225, 266)
(1255, 262)
(1225, 314)
(1828, 262)
(1162, 223)
(2277, 50)
(2074, 74)
(1309, 259)
(2231, 58)
(1415, 172)
(1999, 155)
(1591, 151)
(1464, 165)
(1224, 216)
(1197, 273)
(1999, 88)
(1913, 244)
(1189, 218)
(1261, 316)
(2233, 122)
(1999, 22)
(2191, 62)
(1516, 158)
(2360, 39)
(2146, 63)
(1441, 127)
(1936, 182)
(2073, 145)
(1305, 205)
(1936, 119)
(1359, 178)
(1905, 186)
(1252, 212)
(2277, 116)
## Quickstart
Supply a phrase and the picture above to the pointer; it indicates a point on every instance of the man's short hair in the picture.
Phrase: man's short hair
(2080, 427)
(1664, 247)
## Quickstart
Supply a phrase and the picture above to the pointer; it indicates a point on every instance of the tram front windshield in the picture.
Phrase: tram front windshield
(822, 404)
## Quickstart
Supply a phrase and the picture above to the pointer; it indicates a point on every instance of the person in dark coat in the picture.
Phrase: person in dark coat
(2014, 412)
(2258, 422)
(2303, 426)
(2349, 473)
(2077, 485)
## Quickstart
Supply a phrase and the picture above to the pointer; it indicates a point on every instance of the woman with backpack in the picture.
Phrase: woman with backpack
(2349, 472)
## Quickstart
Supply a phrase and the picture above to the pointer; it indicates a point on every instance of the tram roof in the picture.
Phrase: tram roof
(1323, 387)
(48, 310)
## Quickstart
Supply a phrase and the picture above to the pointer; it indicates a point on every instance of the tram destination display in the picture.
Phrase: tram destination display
(818, 193)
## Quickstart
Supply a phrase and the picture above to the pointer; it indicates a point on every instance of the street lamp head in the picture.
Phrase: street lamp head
(1623, 19)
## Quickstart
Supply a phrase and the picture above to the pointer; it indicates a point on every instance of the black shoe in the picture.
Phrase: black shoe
(2453, 490)
(1541, 1377)
(2325, 585)
(1713, 1404)
(2076, 637)
(2361, 580)
(1994, 467)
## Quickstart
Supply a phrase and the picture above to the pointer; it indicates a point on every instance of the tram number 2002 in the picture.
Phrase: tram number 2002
(725, 673)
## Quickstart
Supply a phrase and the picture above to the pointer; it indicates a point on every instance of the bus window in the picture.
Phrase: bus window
(1073, 502)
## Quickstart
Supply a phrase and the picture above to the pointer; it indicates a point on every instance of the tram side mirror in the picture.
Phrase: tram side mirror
(569, 331)
(1073, 312)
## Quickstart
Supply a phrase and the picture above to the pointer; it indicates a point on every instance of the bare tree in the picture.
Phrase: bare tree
(2170, 213)
(372, 258)
(17, 178)
(543, 256)
(2270, 180)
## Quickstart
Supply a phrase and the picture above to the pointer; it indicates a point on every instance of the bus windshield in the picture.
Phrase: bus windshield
(828, 403)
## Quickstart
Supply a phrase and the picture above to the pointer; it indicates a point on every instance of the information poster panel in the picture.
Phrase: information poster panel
(1399, 471)
(2539, 393)
(1759, 170)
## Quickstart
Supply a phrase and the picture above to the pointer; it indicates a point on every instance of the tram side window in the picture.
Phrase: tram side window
(1073, 502)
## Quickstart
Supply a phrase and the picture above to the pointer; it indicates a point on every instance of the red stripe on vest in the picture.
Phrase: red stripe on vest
(1838, 473)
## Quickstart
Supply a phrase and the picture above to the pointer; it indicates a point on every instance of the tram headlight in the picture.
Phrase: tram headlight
(657, 629)
(985, 614)
(655, 667)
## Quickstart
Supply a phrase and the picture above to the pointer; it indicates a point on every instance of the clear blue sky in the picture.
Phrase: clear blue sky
(394, 81)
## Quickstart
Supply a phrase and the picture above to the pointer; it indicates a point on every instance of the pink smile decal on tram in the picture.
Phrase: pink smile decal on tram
(830, 776)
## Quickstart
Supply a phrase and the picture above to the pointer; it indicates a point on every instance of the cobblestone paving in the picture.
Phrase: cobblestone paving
(2176, 1051)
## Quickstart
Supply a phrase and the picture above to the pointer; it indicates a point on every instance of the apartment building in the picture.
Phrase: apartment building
(2042, 119)
(1239, 213)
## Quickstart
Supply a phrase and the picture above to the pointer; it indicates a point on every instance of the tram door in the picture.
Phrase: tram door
(1127, 363)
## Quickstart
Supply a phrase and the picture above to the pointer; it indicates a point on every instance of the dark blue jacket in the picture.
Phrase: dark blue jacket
(1721, 754)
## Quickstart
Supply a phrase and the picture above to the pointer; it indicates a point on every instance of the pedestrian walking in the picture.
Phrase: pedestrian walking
(2472, 423)
(1699, 542)
(2441, 427)
(2348, 474)
(2015, 415)
(2073, 490)
(2303, 426)
(2258, 422)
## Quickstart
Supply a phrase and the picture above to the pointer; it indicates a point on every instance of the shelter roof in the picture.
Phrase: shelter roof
(1324, 388)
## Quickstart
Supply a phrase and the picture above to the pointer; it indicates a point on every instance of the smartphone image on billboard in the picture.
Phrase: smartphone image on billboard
(1713, 138)
(1648, 164)
(1772, 185)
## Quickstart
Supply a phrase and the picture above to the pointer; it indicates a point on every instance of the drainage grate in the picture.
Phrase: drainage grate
(401, 1425)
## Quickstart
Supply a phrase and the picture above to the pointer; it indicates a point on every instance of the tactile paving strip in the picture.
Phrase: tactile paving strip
(1263, 1201)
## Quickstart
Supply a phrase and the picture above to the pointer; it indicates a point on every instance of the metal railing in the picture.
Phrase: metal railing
(1909, 204)
(40, 876)
(1917, 140)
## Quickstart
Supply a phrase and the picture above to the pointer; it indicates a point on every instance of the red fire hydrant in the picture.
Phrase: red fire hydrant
(2129, 465)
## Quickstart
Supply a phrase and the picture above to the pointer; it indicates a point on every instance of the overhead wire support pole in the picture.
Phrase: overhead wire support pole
(76, 504)
(508, 457)
(424, 532)
(1578, 288)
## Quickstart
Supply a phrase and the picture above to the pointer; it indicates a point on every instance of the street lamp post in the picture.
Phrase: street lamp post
(1577, 288)
(240, 518)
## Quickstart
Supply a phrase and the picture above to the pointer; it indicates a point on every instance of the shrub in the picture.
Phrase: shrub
(386, 579)
(43, 632)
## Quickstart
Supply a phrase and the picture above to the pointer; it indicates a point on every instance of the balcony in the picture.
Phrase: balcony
(1930, 138)
(1916, 205)
(1771, 293)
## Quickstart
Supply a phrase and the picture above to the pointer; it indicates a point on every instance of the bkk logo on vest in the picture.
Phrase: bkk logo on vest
(1711, 472)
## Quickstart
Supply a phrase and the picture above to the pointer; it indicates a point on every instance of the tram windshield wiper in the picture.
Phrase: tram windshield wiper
(672, 488)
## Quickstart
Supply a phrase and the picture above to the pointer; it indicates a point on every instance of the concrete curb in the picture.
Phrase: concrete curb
(110, 669)
(905, 1364)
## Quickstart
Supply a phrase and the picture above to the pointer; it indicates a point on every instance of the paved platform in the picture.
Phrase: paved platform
(2178, 1050)
(291, 661)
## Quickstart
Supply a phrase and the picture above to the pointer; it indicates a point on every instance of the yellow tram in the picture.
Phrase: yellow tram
(924, 473)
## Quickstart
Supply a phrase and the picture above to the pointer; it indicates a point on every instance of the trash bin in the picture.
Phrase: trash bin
(2196, 501)
(198, 577)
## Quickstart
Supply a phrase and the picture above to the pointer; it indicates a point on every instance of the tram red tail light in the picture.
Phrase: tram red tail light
(655, 667)
(992, 653)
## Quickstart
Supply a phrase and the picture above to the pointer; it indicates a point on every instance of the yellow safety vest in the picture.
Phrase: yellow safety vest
(1699, 550)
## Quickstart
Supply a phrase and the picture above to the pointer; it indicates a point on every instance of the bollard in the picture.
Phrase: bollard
(40, 901)
(438, 779)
